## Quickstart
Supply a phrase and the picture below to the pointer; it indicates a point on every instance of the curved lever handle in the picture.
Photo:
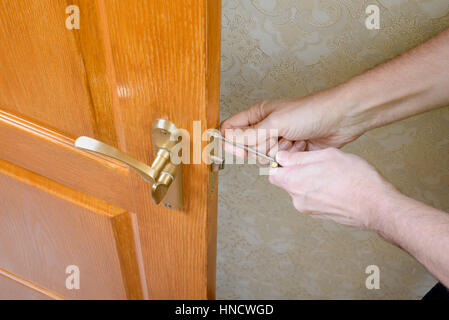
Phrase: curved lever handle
(89, 144)
(161, 174)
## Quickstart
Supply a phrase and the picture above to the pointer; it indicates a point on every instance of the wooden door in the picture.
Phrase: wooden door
(129, 63)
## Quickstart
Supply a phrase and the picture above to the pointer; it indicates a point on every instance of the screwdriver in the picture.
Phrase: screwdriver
(217, 135)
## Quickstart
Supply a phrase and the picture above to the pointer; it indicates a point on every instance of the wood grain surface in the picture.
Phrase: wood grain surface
(166, 59)
(46, 227)
(14, 287)
(130, 63)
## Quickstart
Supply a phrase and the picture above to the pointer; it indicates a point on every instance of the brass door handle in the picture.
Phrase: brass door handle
(89, 144)
(162, 173)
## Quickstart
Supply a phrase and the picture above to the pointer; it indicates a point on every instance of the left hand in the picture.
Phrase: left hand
(331, 184)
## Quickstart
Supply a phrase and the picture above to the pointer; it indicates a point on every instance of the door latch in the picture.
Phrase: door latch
(165, 176)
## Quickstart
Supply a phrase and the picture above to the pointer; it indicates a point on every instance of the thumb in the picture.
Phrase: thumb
(287, 159)
(252, 135)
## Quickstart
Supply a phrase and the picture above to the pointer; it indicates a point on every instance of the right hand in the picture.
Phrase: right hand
(310, 123)
(331, 184)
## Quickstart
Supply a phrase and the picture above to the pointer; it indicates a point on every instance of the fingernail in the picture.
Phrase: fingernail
(284, 145)
(281, 156)
(300, 145)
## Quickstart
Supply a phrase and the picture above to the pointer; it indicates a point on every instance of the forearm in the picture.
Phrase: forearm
(414, 82)
(419, 229)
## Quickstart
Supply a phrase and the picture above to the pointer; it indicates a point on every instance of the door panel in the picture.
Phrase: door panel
(45, 227)
(42, 73)
(53, 155)
(130, 63)
(16, 288)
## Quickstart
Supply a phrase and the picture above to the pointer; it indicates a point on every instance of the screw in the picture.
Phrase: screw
(166, 205)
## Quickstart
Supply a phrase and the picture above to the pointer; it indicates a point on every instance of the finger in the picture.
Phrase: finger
(257, 134)
(286, 159)
(246, 136)
(269, 147)
(300, 146)
(284, 145)
(251, 127)
(238, 152)
(248, 117)
(295, 180)
(291, 149)
(281, 177)
(253, 158)
(242, 153)
(317, 145)
(259, 140)
(281, 145)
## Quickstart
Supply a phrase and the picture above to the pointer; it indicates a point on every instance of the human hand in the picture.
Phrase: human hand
(331, 184)
(314, 122)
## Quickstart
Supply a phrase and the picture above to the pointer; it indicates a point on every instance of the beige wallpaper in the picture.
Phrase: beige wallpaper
(285, 48)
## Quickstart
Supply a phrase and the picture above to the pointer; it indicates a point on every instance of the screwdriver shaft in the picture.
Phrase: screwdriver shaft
(273, 162)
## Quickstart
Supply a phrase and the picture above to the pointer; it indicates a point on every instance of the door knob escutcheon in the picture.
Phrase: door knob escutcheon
(165, 176)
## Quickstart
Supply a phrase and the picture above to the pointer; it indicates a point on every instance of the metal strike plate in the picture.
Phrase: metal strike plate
(216, 155)
(217, 163)
(163, 174)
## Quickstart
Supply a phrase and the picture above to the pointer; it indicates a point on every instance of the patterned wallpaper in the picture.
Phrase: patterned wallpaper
(286, 48)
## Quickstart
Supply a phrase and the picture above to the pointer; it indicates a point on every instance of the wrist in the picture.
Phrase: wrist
(359, 106)
(352, 113)
(380, 203)
(391, 215)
